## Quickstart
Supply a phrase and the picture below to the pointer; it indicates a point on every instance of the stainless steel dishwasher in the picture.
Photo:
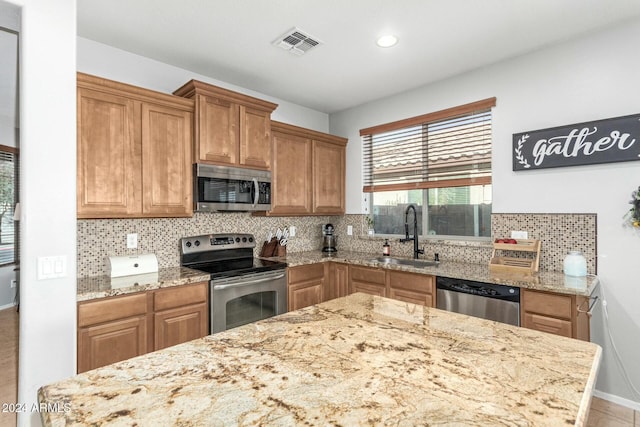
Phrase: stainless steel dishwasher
(488, 301)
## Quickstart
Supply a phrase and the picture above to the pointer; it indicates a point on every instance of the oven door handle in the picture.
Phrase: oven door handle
(241, 282)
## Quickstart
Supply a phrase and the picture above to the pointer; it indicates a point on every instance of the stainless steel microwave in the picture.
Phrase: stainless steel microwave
(224, 188)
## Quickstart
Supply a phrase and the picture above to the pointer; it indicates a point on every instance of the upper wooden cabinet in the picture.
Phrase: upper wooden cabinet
(134, 151)
(308, 172)
(231, 128)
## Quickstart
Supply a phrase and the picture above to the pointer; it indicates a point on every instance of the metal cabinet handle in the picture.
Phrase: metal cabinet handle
(589, 311)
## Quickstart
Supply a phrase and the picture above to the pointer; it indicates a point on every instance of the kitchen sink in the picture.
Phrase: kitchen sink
(418, 263)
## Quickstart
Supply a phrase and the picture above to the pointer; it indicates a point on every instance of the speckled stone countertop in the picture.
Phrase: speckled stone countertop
(544, 280)
(105, 286)
(357, 360)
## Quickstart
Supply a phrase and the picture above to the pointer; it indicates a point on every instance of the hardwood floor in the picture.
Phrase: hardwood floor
(8, 363)
(606, 414)
(603, 413)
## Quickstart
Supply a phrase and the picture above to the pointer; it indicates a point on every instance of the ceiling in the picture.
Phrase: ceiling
(231, 40)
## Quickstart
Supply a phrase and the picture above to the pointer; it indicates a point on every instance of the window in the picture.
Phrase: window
(8, 198)
(440, 162)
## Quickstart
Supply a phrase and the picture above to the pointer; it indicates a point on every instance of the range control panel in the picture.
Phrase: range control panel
(215, 242)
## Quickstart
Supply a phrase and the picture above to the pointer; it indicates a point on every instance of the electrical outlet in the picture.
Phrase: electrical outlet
(132, 240)
(519, 235)
(13, 283)
(350, 230)
(292, 231)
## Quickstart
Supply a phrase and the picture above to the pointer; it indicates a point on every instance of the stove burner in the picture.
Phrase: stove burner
(224, 255)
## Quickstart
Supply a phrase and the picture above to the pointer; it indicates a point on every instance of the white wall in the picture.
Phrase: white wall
(591, 78)
(116, 64)
(48, 176)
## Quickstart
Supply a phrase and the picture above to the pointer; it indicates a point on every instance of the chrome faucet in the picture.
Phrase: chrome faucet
(416, 251)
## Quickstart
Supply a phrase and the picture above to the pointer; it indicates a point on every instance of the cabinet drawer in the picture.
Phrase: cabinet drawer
(179, 296)
(414, 282)
(547, 324)
(105, 310)
(305, 273)
(367, 275)
(547, 304)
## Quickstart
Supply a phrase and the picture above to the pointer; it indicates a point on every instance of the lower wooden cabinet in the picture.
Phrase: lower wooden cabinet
(369, 280)
(557, 314)
(118, 328)
(180, 315)
(111, 342)
(338, 281)
(305, 285)
(411, 287)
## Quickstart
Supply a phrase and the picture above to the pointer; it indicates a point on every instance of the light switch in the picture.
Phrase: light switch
(349, 230)
(52, 267)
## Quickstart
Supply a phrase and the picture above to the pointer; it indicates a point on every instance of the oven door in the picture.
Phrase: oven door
(239, 300)
(222, 188)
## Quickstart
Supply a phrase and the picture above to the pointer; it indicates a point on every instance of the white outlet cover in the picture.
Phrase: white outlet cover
(350, 230)
(132, 240)
(292, 231)
(519, 235)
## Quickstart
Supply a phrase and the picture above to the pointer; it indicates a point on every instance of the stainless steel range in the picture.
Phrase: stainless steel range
(242, 289)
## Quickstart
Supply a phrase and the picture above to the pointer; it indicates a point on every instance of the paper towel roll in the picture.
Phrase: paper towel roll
(119, 266)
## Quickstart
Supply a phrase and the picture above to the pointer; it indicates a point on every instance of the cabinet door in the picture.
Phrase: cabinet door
(255, 138)
(338, 283)
(368, 280)
(217, 134)
(291, 175)
(108, 156)
(305, 286)
(304, 294)
(552, 313)
(166, 153)
(328, 178)
(413, 288)
(111, 342)
(180, 325)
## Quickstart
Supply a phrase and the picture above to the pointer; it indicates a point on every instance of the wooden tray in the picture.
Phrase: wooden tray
(513, 264)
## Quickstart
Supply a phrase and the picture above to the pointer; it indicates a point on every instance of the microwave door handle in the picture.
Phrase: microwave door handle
(256, 192)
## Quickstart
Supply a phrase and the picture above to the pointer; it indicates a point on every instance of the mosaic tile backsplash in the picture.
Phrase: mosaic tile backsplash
(99, 239)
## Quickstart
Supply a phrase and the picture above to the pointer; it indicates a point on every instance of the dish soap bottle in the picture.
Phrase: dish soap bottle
(386, 249)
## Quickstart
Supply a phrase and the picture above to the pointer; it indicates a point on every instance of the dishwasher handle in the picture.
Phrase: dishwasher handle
(487, 290)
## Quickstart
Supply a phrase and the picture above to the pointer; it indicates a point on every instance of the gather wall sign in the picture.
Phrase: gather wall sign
(589, 143)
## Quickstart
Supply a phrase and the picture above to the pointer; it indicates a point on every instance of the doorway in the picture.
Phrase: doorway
(9, 190)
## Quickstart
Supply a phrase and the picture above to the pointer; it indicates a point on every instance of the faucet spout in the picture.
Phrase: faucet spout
(416, 251)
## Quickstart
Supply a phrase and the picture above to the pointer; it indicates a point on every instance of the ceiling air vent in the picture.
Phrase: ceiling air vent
(296, 41)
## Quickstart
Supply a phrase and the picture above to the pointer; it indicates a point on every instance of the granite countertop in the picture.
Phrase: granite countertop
(551, 281)
(104, 286)
(356, 360)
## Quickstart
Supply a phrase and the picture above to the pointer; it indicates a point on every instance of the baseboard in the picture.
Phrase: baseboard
(2, 307)
(617, 400)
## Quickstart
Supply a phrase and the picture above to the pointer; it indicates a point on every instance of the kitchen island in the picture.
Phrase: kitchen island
(357, 360)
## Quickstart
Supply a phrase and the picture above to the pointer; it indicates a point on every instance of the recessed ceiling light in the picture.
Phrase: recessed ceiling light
(387, 40)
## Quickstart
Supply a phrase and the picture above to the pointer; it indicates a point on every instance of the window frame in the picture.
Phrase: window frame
(425, 185)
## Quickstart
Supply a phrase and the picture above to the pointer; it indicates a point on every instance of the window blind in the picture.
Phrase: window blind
(448, 148)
